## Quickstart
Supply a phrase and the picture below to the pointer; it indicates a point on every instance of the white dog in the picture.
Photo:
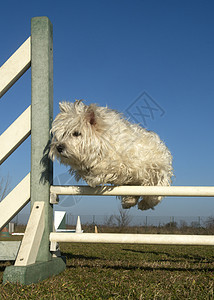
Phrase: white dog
(101, 147)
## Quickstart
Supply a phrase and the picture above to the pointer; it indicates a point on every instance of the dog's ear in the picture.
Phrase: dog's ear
(90, 115)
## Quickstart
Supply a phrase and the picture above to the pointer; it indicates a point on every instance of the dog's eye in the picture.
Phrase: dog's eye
(76, 133)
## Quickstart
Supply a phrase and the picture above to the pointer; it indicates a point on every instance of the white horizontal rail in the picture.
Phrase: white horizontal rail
(117, 238)
(15, 201)
(185, 191)
(14, 135)
(15, 66)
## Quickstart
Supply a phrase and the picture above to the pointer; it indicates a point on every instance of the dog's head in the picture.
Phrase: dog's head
(78, 132)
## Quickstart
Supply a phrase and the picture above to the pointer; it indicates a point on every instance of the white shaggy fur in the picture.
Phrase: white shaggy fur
(101, 147)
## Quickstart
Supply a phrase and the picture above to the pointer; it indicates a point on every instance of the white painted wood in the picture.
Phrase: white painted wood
(59, 220)
(33, 234)
(14, 201)
(9, 250)
(15, 134)
(15, 66)
(167, 239)
(54, 199)
(53, 246)
(186, 191)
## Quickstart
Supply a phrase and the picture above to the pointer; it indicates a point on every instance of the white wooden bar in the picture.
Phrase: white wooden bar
(185, 191)
(33, 234)
(167, 239)
(15, 201)
(15, 66)
(15, 134)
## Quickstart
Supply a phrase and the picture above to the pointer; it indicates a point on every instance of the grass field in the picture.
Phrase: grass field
(107, 271)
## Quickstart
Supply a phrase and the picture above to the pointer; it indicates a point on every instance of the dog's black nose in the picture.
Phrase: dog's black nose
(60, 148)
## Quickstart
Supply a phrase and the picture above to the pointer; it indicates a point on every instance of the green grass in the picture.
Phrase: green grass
(107, 271)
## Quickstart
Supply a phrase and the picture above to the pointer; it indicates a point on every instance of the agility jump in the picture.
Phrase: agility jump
(36, 259)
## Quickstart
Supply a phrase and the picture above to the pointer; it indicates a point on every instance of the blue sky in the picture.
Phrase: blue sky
(111, 52)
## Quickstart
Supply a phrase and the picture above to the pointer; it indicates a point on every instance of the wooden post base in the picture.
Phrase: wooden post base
(34, 273)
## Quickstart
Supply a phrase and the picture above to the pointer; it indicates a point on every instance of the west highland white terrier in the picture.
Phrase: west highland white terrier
(102, 147)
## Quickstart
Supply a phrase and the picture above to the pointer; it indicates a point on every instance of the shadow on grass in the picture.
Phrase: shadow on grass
(141, 268)
(168, 269)
(124, 267)
(146, 252)
(79, 256)
(191, 257)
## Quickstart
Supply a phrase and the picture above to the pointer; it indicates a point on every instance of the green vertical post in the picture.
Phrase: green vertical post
(41, 119)
(41, 166)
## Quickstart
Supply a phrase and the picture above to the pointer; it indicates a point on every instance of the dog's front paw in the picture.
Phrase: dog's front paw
(129, 201)
(148, 202)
